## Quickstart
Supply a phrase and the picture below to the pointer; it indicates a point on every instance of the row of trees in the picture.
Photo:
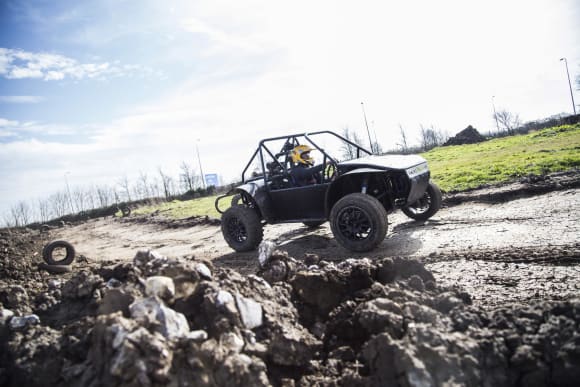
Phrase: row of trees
(81, 199)
(507, 124)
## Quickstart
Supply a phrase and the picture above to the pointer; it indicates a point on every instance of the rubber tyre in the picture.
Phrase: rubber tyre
(359, 222)
(427, 206)
(241, 228)
(49, 249)
(313, 224)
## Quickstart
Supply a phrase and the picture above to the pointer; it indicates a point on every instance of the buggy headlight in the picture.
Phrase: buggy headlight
(417, 170)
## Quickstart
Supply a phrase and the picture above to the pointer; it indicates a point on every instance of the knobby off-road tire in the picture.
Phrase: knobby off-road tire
(49, 250)
(359, 222)
(241, 228)
(427, 205)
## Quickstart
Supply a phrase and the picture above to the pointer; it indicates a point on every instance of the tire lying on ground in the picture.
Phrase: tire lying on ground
(126, 211)
(241, 228)
(359, 222)
(427, 205)
(47, 253)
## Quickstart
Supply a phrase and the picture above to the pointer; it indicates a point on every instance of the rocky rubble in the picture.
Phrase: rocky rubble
(159, 321)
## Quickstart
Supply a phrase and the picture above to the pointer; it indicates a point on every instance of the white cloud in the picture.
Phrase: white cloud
(19, 64)
(28, 129)
(21, 99)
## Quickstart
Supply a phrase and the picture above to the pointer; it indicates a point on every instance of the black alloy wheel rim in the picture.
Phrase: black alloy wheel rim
(422, 205)
(354, 224)
(237, 230)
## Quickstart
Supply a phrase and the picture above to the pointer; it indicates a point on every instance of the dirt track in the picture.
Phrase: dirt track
(512, 250)
(485, 293)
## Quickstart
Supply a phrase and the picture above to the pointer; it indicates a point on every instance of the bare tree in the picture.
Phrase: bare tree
(143, 187)
(44, 210)
(103, 195)
(8, 222)
(431, 137)
(154, 188)
(403, 144)
(349, 151)
(508, 121)
(116, 195)
(59, 203)
(92, 199)
(125, 187)
(21, 214)
(166, 183)
(428, 138)
(376, 148)
(187, 177)
(80, 199)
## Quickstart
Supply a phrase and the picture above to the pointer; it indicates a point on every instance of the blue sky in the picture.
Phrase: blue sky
(101, 89)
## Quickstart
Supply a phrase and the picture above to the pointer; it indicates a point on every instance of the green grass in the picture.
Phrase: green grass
(178, 209)
(455, 167)
(468, 166)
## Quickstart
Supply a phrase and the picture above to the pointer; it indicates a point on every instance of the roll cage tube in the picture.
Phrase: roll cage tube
(293, 140)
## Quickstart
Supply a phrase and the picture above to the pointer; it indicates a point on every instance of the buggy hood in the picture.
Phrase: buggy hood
(400, 162)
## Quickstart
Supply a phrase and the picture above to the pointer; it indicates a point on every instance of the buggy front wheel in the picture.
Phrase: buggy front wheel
(241, 228)
(427, 205)
(358, 222)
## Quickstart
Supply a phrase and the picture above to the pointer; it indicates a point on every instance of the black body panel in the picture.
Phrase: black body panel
(299, 203)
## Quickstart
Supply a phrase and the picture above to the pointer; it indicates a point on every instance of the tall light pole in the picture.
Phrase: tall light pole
(199, 161)
(367, 125)
(494, 113)
(375, 133)
(68, 192)
(569, 84)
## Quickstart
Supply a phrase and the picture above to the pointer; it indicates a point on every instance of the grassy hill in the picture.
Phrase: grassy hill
(459, 167)
(468, 166)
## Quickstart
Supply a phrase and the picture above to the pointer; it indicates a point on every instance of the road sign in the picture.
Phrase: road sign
(211, 179)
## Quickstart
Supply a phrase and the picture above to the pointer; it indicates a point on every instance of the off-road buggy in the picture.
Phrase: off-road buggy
(354, 195)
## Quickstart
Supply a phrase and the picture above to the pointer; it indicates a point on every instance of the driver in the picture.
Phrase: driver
(303, 170)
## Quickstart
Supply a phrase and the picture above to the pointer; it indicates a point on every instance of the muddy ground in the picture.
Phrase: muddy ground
(486, 292)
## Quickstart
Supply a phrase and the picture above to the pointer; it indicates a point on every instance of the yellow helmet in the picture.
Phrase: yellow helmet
(301, 154)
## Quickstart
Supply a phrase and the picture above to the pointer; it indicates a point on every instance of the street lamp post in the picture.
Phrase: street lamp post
(199, 161)
(367, 125)
(494, 113)
(569, 84)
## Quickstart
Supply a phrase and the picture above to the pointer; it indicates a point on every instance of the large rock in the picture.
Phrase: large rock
(152, 313)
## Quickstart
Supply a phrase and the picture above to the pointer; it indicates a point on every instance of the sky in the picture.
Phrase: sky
(93, 91)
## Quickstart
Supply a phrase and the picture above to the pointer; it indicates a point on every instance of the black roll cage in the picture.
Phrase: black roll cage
(290, 143)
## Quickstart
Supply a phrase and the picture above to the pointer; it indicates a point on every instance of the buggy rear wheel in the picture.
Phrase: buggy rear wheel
(359, 222)
(427, 205)
(241, 228)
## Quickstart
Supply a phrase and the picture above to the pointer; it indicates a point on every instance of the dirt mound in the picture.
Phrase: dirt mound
(469, 135)
(158, 321)
(526, 186)
(19, 253)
